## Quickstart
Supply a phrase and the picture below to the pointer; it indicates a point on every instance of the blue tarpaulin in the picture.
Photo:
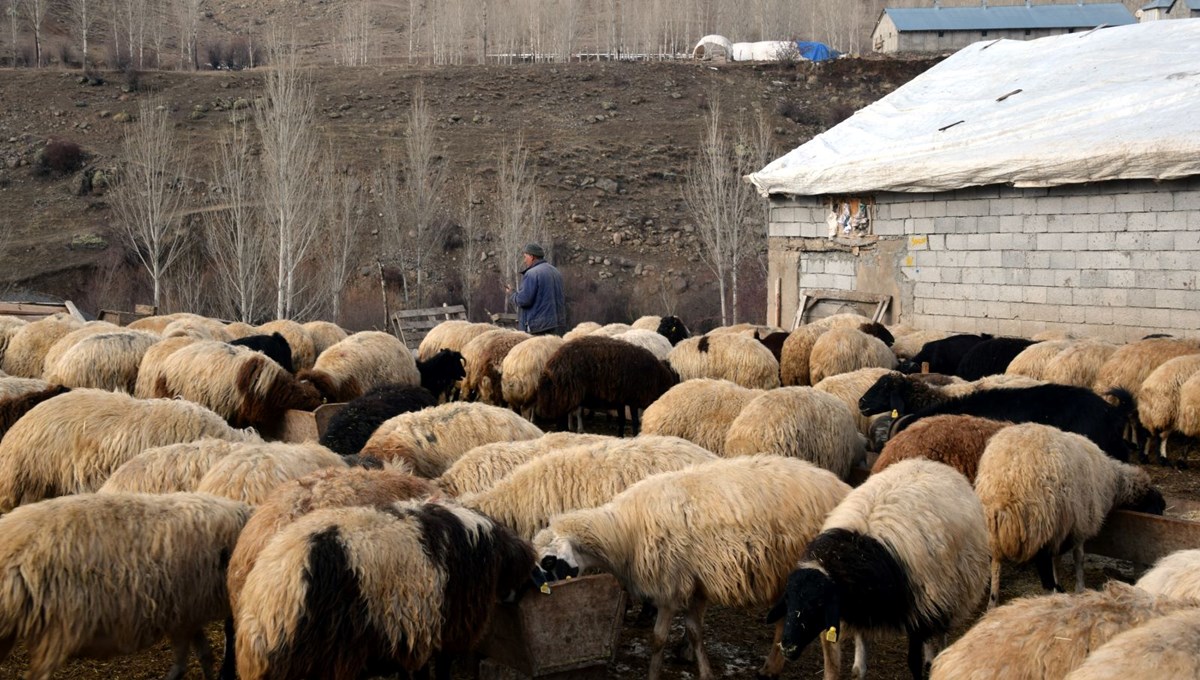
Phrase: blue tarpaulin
(815, 51)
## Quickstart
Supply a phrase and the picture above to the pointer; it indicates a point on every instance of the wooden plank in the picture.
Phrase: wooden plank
(74, 311)
(29, 309)
(1143, 539)
(445, 312)
(847, 295)
(420, 325)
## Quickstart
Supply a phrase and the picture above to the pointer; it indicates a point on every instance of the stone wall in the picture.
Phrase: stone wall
(1112, 259)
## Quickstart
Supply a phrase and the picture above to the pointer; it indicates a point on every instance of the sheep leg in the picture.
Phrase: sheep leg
(833, 659)
(994, 599)
(658, 639)
(442, 663)
(636, 427)
(773, 666)
(860, 656)
(229, 663)
(181, 648)
(916, 655)
(1077, 554)
(621, 421)
(204, 654)
(1044, 562)
(693, 623)
(1145, 450)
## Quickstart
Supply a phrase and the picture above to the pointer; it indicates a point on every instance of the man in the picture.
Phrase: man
(541, 307)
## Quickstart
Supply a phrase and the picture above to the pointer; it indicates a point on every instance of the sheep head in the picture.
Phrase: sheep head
(809, 609)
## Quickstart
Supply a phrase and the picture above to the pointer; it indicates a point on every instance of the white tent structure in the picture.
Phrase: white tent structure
(711, 46)
(1066, 109)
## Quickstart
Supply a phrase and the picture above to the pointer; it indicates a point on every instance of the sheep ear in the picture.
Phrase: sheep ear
(777, 611)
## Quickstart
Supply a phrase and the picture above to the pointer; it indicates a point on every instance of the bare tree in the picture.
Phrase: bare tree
(14, 19)
(146, 200)
(468, 264)
(355, 27)
(234, 235)
(424, 184)
(343, 220)
(81, 17)
(286, 122)
(35, 14)
(720, 203)
(185, 289)
(518, 218)
(189, 30)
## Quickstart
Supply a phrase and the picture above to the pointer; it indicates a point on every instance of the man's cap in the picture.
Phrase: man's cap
(534, 250)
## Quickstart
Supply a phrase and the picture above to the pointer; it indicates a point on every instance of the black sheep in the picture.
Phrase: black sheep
(672, 328)
(878, 330)
(774, 342)
(991, 357)
(943, 355)
(440, 371)
(1069, 408)
(901, 393)
(351, 427)
(275, 346)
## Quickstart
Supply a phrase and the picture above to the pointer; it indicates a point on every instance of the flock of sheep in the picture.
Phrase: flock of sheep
(143, 498)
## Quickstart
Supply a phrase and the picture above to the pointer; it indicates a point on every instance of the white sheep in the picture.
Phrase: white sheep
(25, 355)
(849, 388)
(581, 329)
(167, 469)
(1177, 575)
(699, 411)
(360, 363)
(1158, 401)
(732, 357)
(842, 350)
(304, 350)
(522, 369)
(651, 340)
(726, 532)
(1160, 648)
(480, 468)
(250, 472)
(324, 334)
(105, 361)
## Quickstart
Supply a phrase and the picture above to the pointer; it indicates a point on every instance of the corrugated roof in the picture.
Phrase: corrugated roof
(1159, 4)
(1193, 4)
(1011, 18)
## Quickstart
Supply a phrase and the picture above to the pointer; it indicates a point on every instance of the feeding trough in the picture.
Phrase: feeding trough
(570, 632)
(303, 426)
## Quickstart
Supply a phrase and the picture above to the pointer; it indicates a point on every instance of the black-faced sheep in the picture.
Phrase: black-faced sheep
(699, 411)
(360, 363)
(351, 427)
(73, 442)
(343, 590)
(275, 346)
(1044, 490)
(990, 357)
(105, 361)
(522, 369)
(734, 545)
(304, 350)
(480, 468)
(957, 441)
(241, 385)
(326, 488)
(943, 356)
(26, 352)
(97, 575)
(167, 469)
(799, 422)
(250, 472)
(673, 329)
(324, 334)
(1045, 638)
(601, 372)
(583, 476)
(843, 350)
(904, 552)
(774, 342)
(1177, 576)
(737, 358)
(432, 439)
(1164, 647)
(441, 372)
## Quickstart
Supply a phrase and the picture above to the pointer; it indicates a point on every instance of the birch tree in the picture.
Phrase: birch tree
(424, 184)
(354, 27)
(35, 14)
(146, 201)
(188, 12)
(13, 11)
(235, 238)
(286, 122)
(468, 264)
(81, 17)
(343, 220)
(517, 207)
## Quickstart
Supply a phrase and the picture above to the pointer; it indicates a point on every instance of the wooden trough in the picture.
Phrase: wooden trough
(571, 632)
(1143, 539)
(303, 426)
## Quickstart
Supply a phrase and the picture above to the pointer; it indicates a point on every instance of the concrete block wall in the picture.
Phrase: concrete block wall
(1112, 259)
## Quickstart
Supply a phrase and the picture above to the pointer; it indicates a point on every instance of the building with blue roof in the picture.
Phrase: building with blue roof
(944, 29)
(1169, 9)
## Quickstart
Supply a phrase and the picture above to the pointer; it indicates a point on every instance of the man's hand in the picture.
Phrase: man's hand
(507, 288)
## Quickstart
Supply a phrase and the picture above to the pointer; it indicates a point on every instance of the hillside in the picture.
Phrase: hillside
(609, 141)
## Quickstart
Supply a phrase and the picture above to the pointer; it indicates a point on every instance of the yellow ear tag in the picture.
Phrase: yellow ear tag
(831, 634)
(895, 414)
(545, 589)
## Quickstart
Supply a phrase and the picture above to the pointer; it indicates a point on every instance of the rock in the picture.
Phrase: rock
(454, 118)
(196, 115)
(88, 242)
(345, 106)
(607, 262)
(122, 117)
(83, 184)
(99, 180)
(202, 108)
(616, 239)
(608, 106)
(477, 119)
(679, 284)
(241, 103)
(334, 114)
(607, 185)
(676, 95)
(81, 104)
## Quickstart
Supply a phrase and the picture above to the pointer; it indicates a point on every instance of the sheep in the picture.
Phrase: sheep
(452, 335)
(522, 368)
(646, 323)
(794, 361)
(243, 386)
(106, 361)
(73, 442)
(1079, 363)
(957, 441)
(275, 346)
(151, 366)
(480, 468)
(27, 347)
(1187, 419)
(1033, 360)
(609, 330)
(581, 329)
(799, 422)
(360, 363)
(699, 411)
(990, 357)
(737, 358)
(1055, 334)
(774, 342)
(1164, 647)
(658, 345)
(712, 533)
(673, 329)
(906, 551)
(1129, 366)
(19, 395)
(902, 394)
(432, 439)
(9, 325)
(1044, 489)
(66, 342)
(1045, 638)
(1158, 400)
(304, 350)
(597, 371)
(353, 425)
(483, 357)
(240, 329)
(943, 356)
(842, 320)
(197, 327)
(330, 487)
(441, 372)
(842, 350)
(907, 345)
(95, 575)
(583, 476)
(250, 472)
(378, 588)
(167, 469)
(324, 334)
(850, 388)
(1177, 576)
(157, 323)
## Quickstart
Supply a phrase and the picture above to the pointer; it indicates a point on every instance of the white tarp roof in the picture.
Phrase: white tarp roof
(1116, 103)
